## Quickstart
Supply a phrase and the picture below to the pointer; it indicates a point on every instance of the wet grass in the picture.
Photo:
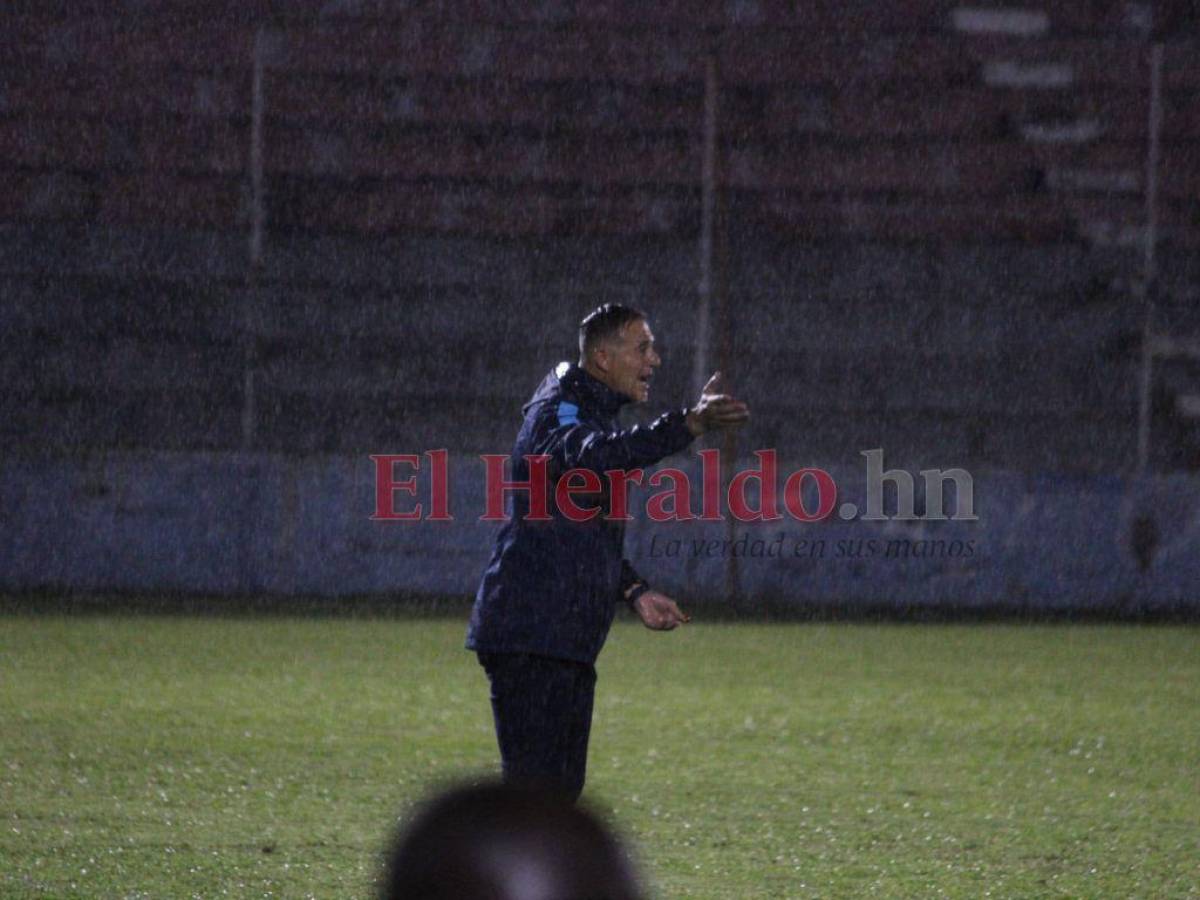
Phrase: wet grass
(177, 757)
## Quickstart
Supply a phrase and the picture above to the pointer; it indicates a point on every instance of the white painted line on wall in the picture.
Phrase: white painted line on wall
(1107, 233)
(1078, 132)
(1188, 405)
(1019, 22)
(1120, 181)
(1007, 73)
(1173, 347)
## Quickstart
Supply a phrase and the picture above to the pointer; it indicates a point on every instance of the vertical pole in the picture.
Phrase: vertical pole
(708, 193)
(724, 318)
(257, 214)
(257, 225)
(1146, 288)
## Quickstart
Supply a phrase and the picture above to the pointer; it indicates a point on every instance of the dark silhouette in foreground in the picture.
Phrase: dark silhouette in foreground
(508, 842)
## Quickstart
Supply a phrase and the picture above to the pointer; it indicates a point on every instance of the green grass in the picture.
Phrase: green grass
(171, 757)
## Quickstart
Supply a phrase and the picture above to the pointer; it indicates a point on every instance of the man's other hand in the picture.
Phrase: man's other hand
(658, 611)
(715, 409)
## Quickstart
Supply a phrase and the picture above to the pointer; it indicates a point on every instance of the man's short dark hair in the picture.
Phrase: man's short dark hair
(605, 322)
(485, 842)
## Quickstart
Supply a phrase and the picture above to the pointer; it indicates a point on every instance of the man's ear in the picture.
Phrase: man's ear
(600, 359)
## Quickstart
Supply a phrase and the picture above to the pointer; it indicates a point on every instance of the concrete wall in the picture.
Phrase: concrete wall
(250, 524)
(934, 244)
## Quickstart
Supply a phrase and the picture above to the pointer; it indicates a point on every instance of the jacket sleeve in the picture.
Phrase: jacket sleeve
(576, 445)
(629, 578)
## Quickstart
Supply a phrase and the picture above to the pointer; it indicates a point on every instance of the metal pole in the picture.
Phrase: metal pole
(720, 281)
(708, 193)
(1151, 239)
(257, 225)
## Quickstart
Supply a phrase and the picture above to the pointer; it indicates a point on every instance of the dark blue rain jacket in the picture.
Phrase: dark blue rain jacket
(552, 587)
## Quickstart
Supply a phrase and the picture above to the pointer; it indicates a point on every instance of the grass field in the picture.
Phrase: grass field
(270, 757)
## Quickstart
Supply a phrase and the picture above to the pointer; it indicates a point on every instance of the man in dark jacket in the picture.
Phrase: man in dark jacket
(549, 594)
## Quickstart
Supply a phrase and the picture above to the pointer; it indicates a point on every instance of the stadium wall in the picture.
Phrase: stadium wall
(253, 524)
(935, 246)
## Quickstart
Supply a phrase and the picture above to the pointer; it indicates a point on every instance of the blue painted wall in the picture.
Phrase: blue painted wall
(262, 523)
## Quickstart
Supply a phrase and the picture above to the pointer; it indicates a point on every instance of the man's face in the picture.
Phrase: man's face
(628, 361)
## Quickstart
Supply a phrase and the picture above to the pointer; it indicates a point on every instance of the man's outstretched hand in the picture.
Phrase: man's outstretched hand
(658, 611)
(715, 409)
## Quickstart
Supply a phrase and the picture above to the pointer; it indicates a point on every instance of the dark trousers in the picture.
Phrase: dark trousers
(542, 708)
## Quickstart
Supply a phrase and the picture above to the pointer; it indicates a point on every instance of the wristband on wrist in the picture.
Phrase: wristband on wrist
(638, 589)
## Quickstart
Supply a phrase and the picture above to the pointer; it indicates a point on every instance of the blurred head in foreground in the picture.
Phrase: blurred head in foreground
(507, 842)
